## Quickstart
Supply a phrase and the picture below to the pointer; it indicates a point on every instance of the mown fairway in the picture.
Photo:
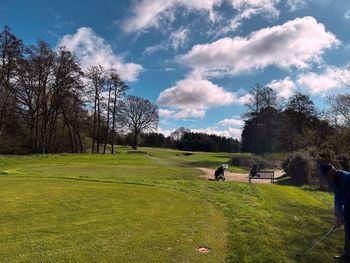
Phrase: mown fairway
(152, 208)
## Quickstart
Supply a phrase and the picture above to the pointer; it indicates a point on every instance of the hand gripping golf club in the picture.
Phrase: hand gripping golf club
(326, 235)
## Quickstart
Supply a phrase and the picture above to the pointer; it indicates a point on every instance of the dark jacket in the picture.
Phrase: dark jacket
(341, 186)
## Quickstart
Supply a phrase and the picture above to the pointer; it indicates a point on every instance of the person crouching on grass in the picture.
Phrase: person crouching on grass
(340, 183)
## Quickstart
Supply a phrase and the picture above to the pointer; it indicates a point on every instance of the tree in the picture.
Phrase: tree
(97, 78)
(117, 89)
(153, 139)
(11, 50)
(340, 108)
(138, 115)
(301, 109)
(179, 133)
(266, 123)
(260, 120)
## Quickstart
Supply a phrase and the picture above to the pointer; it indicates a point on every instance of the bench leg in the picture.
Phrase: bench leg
(250, 180)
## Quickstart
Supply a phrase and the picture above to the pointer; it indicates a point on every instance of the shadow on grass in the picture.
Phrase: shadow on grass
(286, 180)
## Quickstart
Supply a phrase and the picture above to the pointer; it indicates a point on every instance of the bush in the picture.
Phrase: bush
(248, 161)
(302, 168)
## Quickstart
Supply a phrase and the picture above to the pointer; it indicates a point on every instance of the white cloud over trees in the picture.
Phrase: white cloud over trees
(93, 50)
(192, 97)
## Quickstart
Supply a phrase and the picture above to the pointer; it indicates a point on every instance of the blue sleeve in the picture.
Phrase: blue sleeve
(338, 206)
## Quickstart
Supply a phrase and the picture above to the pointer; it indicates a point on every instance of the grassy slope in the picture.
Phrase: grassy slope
(264, 223)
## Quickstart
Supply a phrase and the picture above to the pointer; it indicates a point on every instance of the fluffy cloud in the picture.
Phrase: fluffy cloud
(190, 113)
(297, 43)
(194, 96)
(330, 79)
(93, 50)
(231, 122)
(198, 93)
(284, 87)
(150, 13)
(165, 113)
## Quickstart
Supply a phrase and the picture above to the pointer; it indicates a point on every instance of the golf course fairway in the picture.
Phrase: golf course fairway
(153, 207)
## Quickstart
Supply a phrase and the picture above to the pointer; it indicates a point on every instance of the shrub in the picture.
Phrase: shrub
(302, 168)
(248, 161)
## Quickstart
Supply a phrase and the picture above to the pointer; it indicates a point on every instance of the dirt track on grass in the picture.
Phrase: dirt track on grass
(237, 177)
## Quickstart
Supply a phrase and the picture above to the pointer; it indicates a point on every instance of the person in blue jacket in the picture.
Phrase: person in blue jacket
(340, 182)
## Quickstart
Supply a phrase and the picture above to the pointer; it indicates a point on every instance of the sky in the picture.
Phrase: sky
(198, 59)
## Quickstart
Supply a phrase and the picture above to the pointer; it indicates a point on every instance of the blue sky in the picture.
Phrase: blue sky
(197, 59)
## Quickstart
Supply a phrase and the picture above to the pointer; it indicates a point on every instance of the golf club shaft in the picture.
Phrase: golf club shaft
(330, 231)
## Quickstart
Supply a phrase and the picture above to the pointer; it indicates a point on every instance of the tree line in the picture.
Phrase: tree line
(273, 125)
(48, 104)
(186, 140)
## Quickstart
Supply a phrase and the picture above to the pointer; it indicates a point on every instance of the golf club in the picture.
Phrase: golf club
(327, 234)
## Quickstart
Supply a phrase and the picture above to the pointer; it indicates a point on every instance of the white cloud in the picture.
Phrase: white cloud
(297, 43)
(331, 78)
(234, 133)
(177, 39)
(93, 50)
(267, 6)
(197, 93)
(229, 133)
(190, 113)
(284, 87)
(242, 100)
(248, 8)
(147, 14)
(231, 122)
(296, 4)
(150, 13)
(166, 133)
(165, 113)
(347, 15)
(194, 96)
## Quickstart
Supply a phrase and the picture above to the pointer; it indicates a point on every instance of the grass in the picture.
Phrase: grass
(153, 207)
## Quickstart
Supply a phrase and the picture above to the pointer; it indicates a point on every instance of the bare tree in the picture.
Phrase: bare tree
(340, 107)
(10, 51)
(116, 89)
(179, 133)
(138, 115)
(96, 75)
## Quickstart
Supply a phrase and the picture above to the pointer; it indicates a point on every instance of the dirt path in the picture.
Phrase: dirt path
(237, 177)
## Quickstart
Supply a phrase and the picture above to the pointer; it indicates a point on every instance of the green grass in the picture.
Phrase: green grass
(55, 220)
(153, 208)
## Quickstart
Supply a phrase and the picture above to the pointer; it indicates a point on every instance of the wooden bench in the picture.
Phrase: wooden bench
(262, 174)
